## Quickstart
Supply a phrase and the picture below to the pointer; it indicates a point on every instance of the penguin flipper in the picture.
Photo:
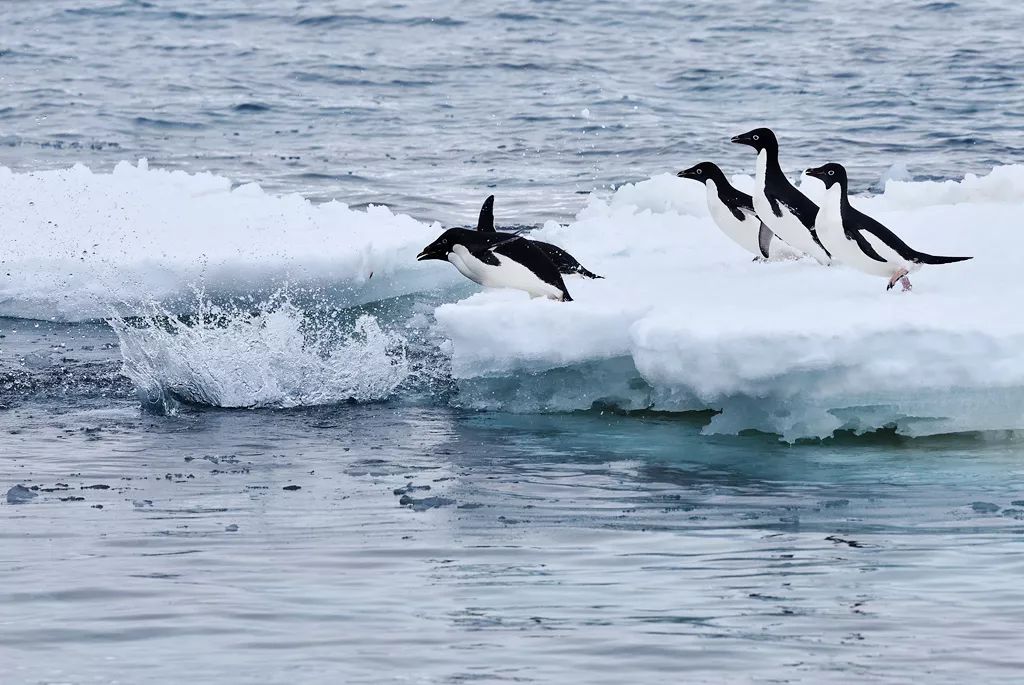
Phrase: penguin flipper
(764, 239)
(865, 246)
(486, 255)
(485, 223)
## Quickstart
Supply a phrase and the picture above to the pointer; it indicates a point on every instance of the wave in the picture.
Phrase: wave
(269, 355)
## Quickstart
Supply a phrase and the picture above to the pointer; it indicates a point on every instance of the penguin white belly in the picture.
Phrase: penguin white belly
(848, 252)
(507, 274)
(829, 226)
(889, 254)
(786, 227)
(459, 264)
(743, 233)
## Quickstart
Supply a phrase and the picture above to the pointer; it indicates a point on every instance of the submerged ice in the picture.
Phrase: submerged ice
(683, 320)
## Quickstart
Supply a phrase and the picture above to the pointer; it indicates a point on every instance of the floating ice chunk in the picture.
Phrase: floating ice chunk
(77, 242)
(897, 172)
(19, 494)
(684, 323)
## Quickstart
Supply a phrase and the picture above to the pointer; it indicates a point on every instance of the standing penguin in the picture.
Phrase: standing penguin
(788, 212)
(499, 260)
(733, 212)
(859, 241)
(566, 263)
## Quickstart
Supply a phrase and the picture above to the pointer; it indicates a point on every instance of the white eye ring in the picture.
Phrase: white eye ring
(757, 137)
(700, 171)
(831, 172)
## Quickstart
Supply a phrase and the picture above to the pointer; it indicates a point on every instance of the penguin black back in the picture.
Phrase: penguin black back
(563, 261)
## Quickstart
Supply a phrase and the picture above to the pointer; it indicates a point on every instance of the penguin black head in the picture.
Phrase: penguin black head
(829, 174)
(703, 172)
(759, 139)
(442, 247)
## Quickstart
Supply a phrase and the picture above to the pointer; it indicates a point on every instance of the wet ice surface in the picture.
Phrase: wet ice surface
(398, 544)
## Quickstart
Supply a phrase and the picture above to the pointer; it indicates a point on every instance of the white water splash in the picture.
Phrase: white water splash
(272, 357)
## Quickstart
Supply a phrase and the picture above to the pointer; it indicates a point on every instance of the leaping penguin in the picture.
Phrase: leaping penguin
(733, 212)
(499, 260)
(567, 264)
(787, 212)
(861, 242)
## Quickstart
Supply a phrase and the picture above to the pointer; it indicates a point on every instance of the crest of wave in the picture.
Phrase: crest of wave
(272, 355)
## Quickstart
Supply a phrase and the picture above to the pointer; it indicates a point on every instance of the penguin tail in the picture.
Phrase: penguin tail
(566, 297)
(587, 273)
(933, 259)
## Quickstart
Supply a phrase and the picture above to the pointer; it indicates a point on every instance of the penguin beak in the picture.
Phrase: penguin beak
(687, 173)
(742, 139)
(433, 251)
(816, 172)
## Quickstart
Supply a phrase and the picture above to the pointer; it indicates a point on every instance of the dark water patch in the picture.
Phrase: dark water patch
(168, 123)
(246, 107)
(336, 20)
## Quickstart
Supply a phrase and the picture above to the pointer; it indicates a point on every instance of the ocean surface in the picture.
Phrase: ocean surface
(426, 106)
(303, 467)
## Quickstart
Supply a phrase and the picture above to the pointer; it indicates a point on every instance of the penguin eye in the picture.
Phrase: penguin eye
(831, 172)
(757, 137)
(700, 171)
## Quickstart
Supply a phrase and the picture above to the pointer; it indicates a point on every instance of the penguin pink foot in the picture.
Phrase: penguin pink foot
(901, 277)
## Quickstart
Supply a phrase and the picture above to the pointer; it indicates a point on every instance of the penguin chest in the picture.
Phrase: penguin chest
(788, 226)
(828, 224)
(506, 274)
(743, 232)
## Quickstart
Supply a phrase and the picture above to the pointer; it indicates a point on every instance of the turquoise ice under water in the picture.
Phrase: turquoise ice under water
(303, 545)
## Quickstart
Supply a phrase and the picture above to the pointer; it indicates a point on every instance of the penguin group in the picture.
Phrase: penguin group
(776, 222)
(777, 212)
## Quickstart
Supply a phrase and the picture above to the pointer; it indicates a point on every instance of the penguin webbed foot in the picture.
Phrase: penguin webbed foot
(901, 278)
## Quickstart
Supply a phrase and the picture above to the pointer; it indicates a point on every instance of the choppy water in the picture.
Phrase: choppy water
(429, 545)
(428, 105)
(413, 542)
(408, 539)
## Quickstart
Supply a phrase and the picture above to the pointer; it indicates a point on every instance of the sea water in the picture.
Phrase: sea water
(256, 442)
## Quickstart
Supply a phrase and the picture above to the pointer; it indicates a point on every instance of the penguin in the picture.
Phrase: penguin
(859, 241)
(787, 212)
(733, 212)
(567, 264)
(499, 260)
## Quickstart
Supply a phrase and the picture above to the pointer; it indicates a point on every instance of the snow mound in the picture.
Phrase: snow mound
(75, 242)
(685, 321)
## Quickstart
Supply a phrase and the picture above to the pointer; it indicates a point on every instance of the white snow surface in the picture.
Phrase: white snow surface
(792, 348)
(682, 321)
(75, 242)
